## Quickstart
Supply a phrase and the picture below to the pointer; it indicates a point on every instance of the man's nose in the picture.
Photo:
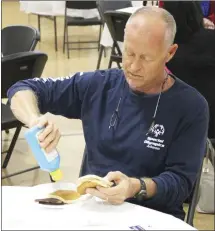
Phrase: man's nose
(135, 66)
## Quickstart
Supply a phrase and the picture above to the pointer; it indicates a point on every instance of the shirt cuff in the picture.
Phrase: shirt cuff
(158, 198)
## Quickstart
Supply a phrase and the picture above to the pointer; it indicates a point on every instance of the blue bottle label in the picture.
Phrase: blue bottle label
(51, 155)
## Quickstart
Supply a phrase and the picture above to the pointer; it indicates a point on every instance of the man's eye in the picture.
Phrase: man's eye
(130, 54)
(146, 58)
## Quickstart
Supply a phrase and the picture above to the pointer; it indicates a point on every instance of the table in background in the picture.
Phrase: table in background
(20, 212)
(53, 9)
(57, 8)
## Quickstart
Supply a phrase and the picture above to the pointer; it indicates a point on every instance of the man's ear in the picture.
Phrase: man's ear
(171, 52)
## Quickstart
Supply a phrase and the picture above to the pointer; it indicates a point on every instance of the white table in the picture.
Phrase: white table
(57, 8)
(54, 8)
(20, 212)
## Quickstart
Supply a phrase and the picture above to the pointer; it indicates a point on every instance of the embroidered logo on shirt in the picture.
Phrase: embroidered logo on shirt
(152, 141)
(157, 130)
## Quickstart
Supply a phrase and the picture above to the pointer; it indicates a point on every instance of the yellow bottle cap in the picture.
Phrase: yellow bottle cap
(56, 175)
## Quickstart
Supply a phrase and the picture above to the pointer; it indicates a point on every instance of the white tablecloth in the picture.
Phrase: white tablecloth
(54, 8)
(57, 8)
(20, 212)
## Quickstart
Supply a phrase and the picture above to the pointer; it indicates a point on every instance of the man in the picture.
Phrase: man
(144, 129)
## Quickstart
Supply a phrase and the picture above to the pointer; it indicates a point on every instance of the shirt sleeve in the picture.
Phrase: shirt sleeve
(183, 162)
(59, 96)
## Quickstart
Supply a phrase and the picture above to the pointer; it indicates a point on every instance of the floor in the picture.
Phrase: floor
(72, 143)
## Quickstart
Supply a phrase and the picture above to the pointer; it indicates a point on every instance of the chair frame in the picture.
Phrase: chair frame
(66, 33)
(194, 201)
(102, 48)
(116, 53)
(52, 18)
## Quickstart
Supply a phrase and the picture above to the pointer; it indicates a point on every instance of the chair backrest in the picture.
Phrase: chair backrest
(104, 6)
(21, 66)
(194, 199)
(195, 192)
(19, 38)
(81, 5)
(116, 22)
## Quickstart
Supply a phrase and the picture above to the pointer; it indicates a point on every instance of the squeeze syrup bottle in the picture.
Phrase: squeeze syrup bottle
(49, 162)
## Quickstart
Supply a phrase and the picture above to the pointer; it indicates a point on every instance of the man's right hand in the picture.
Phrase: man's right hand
(50, 136)
(24, 105)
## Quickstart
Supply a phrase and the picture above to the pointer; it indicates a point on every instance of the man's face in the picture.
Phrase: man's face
(145, 53)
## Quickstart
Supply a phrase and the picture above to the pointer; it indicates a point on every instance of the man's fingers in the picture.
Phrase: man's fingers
(53, 144)
(114, 176)
(111, 191)
(50, 138)
(96, 193)
(48, 129)
(117, 199)
(42, 122)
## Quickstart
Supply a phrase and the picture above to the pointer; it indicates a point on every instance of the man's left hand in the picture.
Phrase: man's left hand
(125, 188)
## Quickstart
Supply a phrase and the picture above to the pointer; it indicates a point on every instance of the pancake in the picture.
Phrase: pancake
(66, 196)
(91, 181)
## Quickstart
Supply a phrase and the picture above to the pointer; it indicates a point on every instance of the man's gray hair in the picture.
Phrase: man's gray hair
(162, 14)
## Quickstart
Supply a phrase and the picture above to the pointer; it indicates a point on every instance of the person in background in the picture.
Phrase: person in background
(208, 10)
(144, 128)
(194, 61)
(205, 5)
(199, 14)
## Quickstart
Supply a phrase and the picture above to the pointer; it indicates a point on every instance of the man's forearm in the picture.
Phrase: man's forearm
(24, 106)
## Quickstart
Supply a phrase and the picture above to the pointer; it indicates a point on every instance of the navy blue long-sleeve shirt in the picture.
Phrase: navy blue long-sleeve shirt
(171, 153)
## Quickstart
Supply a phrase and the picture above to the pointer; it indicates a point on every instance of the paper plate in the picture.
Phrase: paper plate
(43, 190)
(64, 206)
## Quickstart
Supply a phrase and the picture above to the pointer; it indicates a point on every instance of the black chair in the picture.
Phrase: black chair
(104, 6)
(79, 21)
(17, 67)
(195, 192)
(116, 22)
(194, 199)
(52, 18)
(19, 38)
(26, 40)
(146, 2)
